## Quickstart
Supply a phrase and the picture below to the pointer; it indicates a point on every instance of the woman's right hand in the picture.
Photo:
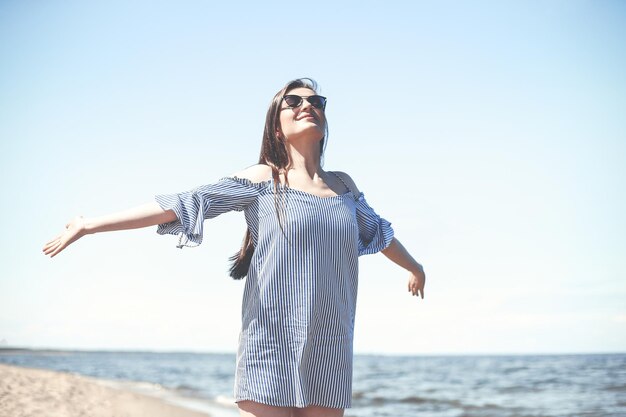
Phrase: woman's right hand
(74, 230)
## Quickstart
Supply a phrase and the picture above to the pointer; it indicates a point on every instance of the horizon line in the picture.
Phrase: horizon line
(23, 349)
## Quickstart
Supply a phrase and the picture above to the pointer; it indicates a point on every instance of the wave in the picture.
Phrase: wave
(513, 370)
(186, 388)
(362, 399)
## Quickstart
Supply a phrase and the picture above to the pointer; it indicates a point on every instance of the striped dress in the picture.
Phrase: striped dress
(295, 345)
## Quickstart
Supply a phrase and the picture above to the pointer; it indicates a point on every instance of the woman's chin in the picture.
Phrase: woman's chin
(312, 133)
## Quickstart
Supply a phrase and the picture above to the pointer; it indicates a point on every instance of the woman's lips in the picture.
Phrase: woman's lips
(307, 116)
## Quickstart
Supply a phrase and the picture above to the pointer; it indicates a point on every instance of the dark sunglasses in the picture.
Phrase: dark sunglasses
(316, 101)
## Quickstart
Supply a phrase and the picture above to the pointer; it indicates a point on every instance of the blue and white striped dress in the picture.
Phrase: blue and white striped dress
(295, 346)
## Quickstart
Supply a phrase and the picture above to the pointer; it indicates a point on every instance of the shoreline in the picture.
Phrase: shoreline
(32, 392)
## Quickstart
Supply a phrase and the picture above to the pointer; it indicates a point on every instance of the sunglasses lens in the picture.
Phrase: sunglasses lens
(293, 101)
(318, 102)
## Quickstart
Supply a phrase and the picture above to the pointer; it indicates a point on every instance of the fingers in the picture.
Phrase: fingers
(416, 285)
(73, 231)
(56, 249)
(49, 247)
(422, 285)
(418, 291)
(53, 247)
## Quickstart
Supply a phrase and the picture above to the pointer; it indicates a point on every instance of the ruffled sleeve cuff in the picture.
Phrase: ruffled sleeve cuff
(205, 202)
(375, 233)
(189, 223)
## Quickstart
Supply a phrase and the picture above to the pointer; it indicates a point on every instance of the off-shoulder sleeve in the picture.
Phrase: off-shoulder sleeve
(375, 233)
(204, 202)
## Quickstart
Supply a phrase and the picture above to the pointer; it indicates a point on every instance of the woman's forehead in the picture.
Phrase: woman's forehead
(301, 91)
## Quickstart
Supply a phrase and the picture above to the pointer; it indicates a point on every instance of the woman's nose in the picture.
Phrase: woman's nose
(306, 105)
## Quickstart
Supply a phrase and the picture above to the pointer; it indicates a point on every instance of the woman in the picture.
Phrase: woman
(306, 229)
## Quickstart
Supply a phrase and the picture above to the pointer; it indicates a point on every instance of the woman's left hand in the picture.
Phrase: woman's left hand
(417, 280)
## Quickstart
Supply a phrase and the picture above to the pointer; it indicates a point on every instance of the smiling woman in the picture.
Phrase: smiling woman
(306, 229)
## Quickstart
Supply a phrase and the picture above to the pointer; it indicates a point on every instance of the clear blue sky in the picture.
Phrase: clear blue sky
(491, 134)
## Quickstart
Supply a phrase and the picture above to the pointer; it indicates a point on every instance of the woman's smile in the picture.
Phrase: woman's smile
(307, 116)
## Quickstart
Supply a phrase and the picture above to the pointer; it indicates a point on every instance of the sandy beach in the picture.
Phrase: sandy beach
(26, 392)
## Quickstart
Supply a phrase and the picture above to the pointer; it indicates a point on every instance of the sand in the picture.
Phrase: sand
(26, 392)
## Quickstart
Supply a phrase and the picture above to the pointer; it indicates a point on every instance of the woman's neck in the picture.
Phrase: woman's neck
(305, 158)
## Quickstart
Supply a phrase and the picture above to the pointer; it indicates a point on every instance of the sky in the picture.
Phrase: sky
(491, 134)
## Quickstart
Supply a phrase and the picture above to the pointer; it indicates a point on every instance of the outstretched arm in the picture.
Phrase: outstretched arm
(395, 251)
(399, 255)
(142, 216)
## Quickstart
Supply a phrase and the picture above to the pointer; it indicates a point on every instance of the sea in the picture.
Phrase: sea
(398, 386)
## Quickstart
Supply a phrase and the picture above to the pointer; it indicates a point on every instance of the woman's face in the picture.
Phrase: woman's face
(303, 121)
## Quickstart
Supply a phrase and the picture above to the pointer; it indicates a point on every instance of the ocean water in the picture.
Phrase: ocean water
(398, 386)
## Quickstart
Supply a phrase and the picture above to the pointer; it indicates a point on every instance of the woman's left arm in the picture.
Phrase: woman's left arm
(399, 255)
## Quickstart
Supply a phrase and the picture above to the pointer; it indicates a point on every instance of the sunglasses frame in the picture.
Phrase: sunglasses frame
(302, 98)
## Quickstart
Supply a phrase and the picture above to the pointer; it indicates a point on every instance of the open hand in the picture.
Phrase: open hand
(74, 230)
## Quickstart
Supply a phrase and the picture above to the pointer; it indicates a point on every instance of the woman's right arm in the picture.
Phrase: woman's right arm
(146, 215)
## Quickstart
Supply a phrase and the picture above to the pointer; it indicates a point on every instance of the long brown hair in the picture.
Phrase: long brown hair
(274, 153)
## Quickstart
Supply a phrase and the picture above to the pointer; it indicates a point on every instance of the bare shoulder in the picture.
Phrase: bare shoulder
(347, 181)
(255, 173)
